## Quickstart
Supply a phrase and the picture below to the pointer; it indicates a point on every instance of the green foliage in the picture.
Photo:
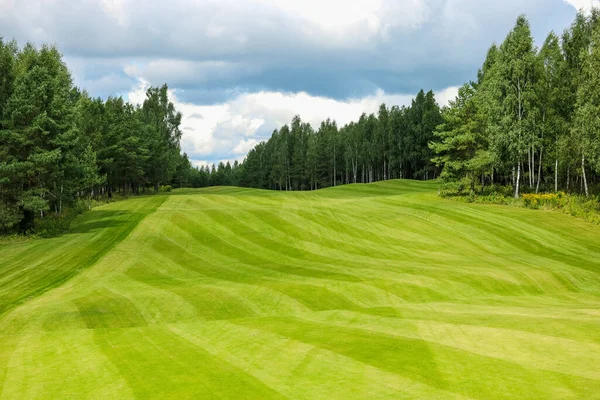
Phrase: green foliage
(530, 121)
(462, 147)
(392, 144)
(59, 147)
(10, 216)
(587, 115)
(165, 188)
(585, 208)
(549, 200)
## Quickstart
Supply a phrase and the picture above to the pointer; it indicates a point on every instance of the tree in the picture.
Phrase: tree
(517, 77)
(549, 105)
(461, 149)
(39, 134)
(162, 135)
(587, 118)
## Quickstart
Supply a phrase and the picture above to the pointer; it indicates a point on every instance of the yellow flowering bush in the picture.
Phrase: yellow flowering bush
(533, 200)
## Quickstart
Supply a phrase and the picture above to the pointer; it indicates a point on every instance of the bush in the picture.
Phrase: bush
(549, 200)
(57, 224)
(165, 188)
(452, 189)
(586, 208)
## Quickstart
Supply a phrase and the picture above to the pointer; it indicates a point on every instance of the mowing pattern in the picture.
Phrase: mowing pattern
(372, 291)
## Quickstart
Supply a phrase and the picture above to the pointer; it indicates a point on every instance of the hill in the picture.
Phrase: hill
(362, 291)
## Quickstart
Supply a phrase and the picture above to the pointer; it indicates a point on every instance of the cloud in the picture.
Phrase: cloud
(214, 51)
(244, 146)
(236, 80)
(116, 9)
(583, 4)
(443, 97)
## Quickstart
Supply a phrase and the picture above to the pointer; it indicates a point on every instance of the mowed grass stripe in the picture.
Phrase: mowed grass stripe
(362, 291)
(284, 364)
(158, 364)
(444, 367)
(50, 263)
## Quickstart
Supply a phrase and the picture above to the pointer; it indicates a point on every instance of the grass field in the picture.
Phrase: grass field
(362, 291)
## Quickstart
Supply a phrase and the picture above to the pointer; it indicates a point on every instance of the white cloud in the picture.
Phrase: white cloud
(116, 9)
(443, 97)
(336, 16)
(583, 4)
(244, 146)
(200, 163)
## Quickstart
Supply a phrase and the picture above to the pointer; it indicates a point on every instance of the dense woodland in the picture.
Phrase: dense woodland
(532, 117)
(392, 144)
(58, 146)
(530, 120)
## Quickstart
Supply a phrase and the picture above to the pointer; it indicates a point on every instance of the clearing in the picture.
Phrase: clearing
(361, 291)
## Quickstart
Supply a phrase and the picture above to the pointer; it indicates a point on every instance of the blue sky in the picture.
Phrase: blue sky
(240, 68)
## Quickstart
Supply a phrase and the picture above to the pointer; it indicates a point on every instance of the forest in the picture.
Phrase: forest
(60, 147)
(530, 120)
(390, 145)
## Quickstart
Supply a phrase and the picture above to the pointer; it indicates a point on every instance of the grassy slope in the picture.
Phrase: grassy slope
(374, 291)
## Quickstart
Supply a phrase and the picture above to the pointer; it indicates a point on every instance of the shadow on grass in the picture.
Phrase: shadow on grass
(97, 220)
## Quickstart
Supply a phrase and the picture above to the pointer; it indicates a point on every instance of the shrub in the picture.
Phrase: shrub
(550, 200)
(586, 208)
(165, 188)
(56, 224)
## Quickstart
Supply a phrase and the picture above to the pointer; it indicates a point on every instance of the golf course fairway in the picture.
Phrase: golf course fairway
(356, 292)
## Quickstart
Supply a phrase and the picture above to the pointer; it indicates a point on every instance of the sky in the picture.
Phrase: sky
(238, 69)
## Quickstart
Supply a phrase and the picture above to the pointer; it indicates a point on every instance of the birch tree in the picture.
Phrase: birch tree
(516, 80)
(587, 118)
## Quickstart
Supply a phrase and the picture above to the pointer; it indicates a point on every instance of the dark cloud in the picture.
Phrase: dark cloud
(213, 51)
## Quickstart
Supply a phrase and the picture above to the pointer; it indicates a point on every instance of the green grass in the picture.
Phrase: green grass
(362, 291)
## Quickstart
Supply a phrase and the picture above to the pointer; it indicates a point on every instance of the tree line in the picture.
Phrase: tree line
(531, 118)
(392, 144)
(59, 146)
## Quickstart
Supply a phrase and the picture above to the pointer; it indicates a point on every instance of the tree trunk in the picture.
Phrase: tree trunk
(539, 176)
(556, 176)
(513, 176)
(585, 185)
(334, 177)
(482, 182)
(529, 165)
(385, 177)
(60, 200)
(533, 165)
(518, 180)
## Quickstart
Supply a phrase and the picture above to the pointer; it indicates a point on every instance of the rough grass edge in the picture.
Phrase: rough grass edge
(585, 208)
